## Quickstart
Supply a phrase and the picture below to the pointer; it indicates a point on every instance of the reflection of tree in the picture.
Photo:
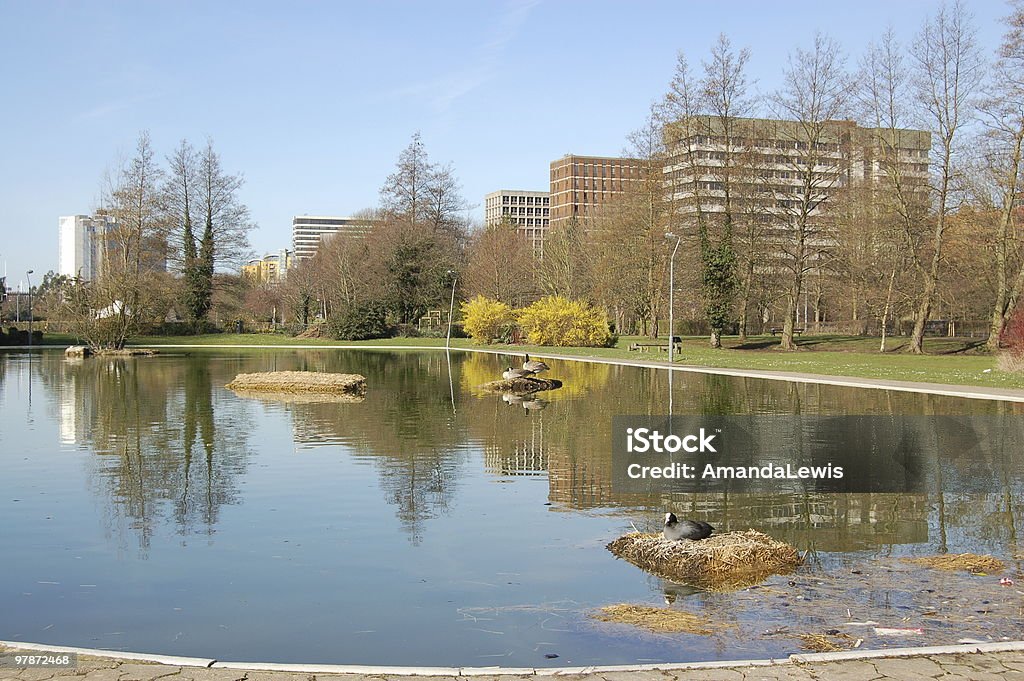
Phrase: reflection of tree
(406, 426)
(144, 418)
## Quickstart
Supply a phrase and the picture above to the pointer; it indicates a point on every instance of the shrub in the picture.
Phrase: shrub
(555, 320)
(485, 319)
(360, 322)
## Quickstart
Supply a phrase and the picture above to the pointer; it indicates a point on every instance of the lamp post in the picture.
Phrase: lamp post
(451, 309)
(671, 296)
(28, 275)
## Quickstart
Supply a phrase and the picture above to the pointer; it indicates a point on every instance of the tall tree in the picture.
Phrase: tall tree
(947, 71)
(180, 193)
(129, 291)
(812, 98)
(1004, 122)
(628, 237)
(423, 192)
(226, 225)
(894, 212)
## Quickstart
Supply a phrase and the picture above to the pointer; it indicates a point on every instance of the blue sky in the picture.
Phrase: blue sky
(313, 101)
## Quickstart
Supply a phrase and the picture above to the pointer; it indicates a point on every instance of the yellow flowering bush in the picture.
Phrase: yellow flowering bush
(555, 320)
(485, 319)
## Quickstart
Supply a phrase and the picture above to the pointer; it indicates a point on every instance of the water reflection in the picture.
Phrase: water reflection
(163, 449)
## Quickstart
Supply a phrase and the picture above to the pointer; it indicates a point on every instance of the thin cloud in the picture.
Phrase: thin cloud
(444, 91)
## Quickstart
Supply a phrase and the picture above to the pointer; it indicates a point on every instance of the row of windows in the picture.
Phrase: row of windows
(767, 144)
(525, 200)
(529, 210)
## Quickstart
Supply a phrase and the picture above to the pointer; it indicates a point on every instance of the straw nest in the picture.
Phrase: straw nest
(661, 620)
(969, 562)
(301, 382)
(722, 562)
(522, 386)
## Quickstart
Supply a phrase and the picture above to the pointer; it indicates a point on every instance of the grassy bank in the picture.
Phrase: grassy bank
(952, 361)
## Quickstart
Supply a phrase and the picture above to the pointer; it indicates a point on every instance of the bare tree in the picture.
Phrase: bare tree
(130, 289)
(500, 265)
(947, 71)
(895, 210)
(813, 98)
(405, 193)
(1002, 145)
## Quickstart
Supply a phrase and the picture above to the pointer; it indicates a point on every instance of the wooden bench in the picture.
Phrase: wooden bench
(661, 345)
(776, 330)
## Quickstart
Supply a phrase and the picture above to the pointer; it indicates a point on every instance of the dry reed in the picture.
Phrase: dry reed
(662, 620)
(969, 562)
(722, 562)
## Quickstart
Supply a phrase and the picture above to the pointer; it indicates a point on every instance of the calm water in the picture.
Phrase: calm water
(143, 506)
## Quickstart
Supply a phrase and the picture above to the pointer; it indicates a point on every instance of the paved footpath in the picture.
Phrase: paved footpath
(977, 663)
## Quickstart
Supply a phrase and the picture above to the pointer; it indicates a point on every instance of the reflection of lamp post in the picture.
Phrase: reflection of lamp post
(451, 308)
(671, 295)
(28, 275)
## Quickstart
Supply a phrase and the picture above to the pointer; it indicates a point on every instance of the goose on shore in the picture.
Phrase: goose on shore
(534, 366)
(685, 529)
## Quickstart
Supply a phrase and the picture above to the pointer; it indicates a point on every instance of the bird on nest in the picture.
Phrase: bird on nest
(676, 529)
(511, 374)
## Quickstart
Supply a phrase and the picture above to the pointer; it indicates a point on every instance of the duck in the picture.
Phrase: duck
(511, 374)
(676, 529)
(534, 366)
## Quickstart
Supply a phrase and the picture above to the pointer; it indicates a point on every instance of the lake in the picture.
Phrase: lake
(145, 507)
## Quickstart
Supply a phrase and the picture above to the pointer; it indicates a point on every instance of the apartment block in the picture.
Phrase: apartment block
(529, 211)
(83, 241)
(308, 231)
(581, 184)
(270, 269)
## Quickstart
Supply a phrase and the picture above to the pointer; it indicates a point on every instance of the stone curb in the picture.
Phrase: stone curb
(114, 654)
(370, 670)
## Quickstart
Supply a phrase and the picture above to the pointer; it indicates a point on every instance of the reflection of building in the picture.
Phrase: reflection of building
(580, 184)
(528, 458)
(82, 244)
(309, 230)
(527, 210)
(270, 269)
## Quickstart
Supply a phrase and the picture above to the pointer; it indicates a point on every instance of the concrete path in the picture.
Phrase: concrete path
(971, 663)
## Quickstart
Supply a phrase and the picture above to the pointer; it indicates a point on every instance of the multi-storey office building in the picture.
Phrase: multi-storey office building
(529, 211)
(769, 168)
(83, 241)
(581, 184)
(309, 230)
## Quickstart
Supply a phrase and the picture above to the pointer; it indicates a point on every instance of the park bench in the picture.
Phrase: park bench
(660, 345)
(776, 330)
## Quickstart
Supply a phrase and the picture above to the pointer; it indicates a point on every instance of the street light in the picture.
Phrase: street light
(671, 295)
(28, 275)
(451, 308)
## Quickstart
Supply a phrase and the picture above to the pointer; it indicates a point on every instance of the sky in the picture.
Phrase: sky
(313, 101)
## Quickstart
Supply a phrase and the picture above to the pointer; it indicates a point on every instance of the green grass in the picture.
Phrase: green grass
(952, 361)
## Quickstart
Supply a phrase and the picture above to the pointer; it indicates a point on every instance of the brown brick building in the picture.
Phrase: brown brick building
(579, 184)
